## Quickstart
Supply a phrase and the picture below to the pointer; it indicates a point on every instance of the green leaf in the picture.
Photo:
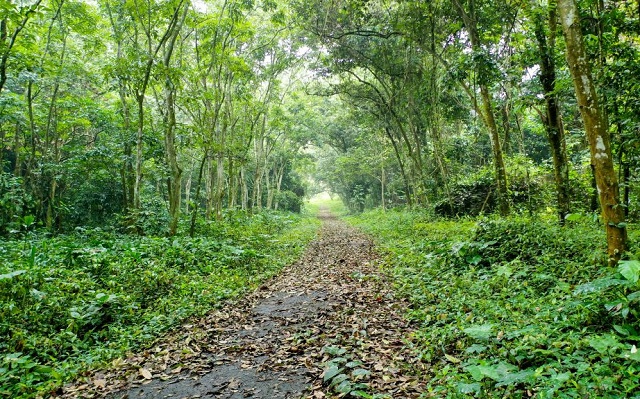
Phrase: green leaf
(621, 330)
(474, 260)
(102, 297)
(361, 394)
(334, 350)
(598, 285)
(603, 343)
(495, 372)
(504, 270)
(562, 377)
(360, 372)
(573, 217)
(469, 388)
(633, 296)
(633, 354)
(452, 359)
(478, 372)
(344, 387)
(480, 332)
(12, 274)
(510, 379)
(339, 379)
(331, 372)
(630, 269)
(476, 348)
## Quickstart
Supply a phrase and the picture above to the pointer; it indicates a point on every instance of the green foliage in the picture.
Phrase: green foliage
(15, 203)
(477, 194)
(343, 374)
(289, 201)
(73, 300)
(515, 307)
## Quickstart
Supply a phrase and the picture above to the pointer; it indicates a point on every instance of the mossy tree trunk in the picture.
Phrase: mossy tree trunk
(596, 130)
(470, 20)
(552, 121)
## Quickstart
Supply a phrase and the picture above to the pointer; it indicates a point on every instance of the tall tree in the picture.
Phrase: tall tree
(470, 19)
(552, 119)
(175, 180)
(146, 18)
(13, 19)
(596, 128)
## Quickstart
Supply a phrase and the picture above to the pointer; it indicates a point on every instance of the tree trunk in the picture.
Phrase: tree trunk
(553, 119)
(196, 201)
(279, 185)
(269, 178)
(405, 179)
(170, 33)
(596, 130)
(209, 189)
(498, 160)
(138, 166)
(187, 192)
(245, 189)
(7, 41)
(220, 183)
(487, 112)
(17, 145)
(382, 188)
(127, 165)
(233, 184)
(175, 180)
(259, 172)
(626, 176)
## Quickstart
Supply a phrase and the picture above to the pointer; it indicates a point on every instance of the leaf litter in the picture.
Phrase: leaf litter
(328, 326)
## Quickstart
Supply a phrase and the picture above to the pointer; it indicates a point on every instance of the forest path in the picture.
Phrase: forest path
(332, 307)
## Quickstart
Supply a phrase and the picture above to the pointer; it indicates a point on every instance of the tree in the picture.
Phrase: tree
(486, 110)
(13, 19)
(175, 179)
(552, 119)
(596, 128)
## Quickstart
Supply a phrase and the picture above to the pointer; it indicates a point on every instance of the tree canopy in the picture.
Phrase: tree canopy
(185, 109)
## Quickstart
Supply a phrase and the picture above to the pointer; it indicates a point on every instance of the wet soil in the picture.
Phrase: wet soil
(333, 309)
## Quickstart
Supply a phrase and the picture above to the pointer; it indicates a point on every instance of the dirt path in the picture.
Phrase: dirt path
(331, 316)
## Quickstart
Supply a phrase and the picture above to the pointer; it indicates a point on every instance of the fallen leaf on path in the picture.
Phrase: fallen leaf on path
(145, 373)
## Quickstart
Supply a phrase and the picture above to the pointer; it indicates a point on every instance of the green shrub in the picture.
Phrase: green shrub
(516, 307)
(289, 201)
(73, 300)
(530, 189)
(16, 206)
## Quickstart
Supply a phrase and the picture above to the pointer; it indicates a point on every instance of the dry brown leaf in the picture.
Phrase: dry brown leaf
(101, 383)
(145, 373)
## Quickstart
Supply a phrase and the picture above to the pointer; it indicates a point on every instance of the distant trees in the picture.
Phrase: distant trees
(148, 109)
(166, 113)
(433, 76)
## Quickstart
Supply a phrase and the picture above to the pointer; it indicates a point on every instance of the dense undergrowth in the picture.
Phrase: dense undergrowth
(70, 302)
(517, 307)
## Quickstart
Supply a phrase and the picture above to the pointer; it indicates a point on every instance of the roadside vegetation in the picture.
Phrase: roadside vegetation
(514, 307)
(72, 302)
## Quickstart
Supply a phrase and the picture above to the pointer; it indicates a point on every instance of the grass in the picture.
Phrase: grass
(69, 303)
(335, 206)
(514, 308)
